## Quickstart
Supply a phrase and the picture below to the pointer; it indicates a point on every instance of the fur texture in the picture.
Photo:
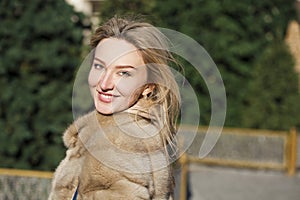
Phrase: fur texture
(119, 156)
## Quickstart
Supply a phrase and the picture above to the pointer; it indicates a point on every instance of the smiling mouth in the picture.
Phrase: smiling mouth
(105, 97)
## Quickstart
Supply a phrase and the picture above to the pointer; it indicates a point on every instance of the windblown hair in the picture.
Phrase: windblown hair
(154, 49)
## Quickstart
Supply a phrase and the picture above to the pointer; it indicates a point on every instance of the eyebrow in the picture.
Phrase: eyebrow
(118, 66)
(125, 66)
(98, 59)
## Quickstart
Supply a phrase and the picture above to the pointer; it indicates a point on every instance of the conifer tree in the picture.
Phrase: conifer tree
(234, 33)
(40, 47)
(272, 101)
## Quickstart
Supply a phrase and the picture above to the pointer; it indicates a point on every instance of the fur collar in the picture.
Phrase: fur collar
(134, 134)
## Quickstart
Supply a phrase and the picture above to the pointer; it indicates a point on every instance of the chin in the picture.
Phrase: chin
(103, 110)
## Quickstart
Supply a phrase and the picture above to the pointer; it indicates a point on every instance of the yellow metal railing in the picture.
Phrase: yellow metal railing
(26, 173)
(291, 152)
(289, 161)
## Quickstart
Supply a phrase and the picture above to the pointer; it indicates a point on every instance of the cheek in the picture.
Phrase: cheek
(94, 77)
(129, 87)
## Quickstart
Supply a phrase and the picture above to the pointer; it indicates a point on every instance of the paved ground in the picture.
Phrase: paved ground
(211, 183)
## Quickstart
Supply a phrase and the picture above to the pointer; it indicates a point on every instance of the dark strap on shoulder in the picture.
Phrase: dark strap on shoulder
(75, 194)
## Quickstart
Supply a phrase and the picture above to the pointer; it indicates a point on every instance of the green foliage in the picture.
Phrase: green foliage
(272, 100)
(133, 8)
(40, 47)
(41, 43)
(233, 32)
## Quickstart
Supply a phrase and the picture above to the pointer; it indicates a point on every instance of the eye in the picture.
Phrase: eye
(124, 73)
(98, 66)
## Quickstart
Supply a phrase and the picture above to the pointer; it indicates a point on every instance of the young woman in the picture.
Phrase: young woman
(122, 149)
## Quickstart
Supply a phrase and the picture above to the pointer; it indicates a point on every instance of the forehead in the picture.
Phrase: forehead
(111, 50)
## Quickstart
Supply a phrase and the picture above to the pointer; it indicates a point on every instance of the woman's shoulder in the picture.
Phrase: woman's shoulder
(70, 136)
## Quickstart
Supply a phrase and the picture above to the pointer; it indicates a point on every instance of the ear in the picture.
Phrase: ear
(148, 89)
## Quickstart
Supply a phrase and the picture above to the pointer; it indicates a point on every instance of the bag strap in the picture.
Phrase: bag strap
(75, 194)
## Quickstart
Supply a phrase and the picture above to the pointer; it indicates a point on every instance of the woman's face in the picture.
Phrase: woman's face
(117, 76)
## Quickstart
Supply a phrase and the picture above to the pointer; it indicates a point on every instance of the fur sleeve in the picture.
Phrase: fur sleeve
(70, 136)
(65, 180)
(163, 183)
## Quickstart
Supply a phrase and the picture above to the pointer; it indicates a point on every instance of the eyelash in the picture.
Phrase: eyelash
(121, 73)
(98, 66)
(124, 73)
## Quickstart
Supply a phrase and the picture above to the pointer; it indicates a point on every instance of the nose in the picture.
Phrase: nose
(106, 81)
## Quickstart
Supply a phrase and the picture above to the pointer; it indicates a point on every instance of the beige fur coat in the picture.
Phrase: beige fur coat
(120, 156)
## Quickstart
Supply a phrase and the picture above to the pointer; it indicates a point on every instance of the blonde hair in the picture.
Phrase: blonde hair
(153, 46)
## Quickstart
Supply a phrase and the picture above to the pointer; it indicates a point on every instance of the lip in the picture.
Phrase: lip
(105, 97)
